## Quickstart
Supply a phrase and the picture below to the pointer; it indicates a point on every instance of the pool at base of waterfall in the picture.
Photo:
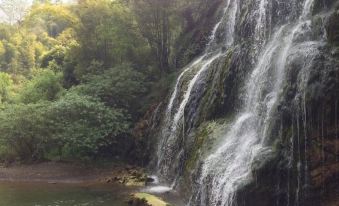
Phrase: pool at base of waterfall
(44, 194)
(158, 189)
(166, 192)
(155, 187)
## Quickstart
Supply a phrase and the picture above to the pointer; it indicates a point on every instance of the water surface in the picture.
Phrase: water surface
(43, 194)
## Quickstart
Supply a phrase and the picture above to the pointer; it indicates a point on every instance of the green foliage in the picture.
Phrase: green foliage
(21, 53)
(23, 130)
(49, 18)
(45, 86)
(2, 49)
(56, 55)
(77, 125)
(74, 79)
(6, 31)
(108, 33)
(5, 87)
(84, 124)
(117, 87)
(154, 23)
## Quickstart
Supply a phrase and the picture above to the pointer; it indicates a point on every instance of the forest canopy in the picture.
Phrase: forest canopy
(76, 78)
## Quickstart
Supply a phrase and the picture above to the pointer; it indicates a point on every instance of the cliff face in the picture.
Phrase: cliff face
(254, 119)
(324, 134)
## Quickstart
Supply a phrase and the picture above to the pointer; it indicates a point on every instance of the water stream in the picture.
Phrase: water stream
(173, 125)
(225, 171)
(276, 39)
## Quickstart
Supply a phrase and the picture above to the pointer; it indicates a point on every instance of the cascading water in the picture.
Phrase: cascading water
(267, 39)
(168, 151)
(230, 167)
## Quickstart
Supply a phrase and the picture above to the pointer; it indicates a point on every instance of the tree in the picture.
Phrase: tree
(50, 18)
(154, 22)
(6, 31)
(2, 50)
(108, 34)
(22, 52)
(56, 55)
(5, 87)
(75, 77)
(84, 125)
(45, 86)
(75, 126)
(14, 10)
(119, 87)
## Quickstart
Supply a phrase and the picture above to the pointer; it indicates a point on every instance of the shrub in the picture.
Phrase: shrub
(45, 86)
(75, 126)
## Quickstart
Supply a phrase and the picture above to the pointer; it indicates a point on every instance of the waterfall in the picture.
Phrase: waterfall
(230, 167)
(174, 117)
(272, 44)
(260, 28)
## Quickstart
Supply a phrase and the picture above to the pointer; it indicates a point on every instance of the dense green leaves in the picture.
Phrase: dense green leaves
(108, 33)
(52, 19)
(84, 124)
(45, 86)
(76, 125)
(119, 86)
(20, 53)
(23, 130)
(5, 87)
(75, 79)
(55, 56)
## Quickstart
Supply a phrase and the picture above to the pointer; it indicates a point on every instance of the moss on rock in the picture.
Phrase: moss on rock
(144, 199)
(129, 176)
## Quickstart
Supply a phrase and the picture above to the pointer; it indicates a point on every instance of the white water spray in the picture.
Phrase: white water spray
(229, 168)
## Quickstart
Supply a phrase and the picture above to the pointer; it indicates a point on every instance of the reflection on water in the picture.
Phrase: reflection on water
(36, 194)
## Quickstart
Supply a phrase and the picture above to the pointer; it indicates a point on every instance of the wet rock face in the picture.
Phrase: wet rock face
(323, 4)
(199, 23)
(305, 169)
(332, 28)
(277, 84)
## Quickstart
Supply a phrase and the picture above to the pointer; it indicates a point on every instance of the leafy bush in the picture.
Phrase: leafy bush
(77, 126)
(84, 124)
(45, 86)
(57, 55)
(121, 86)
(5, 87)
(24, 130)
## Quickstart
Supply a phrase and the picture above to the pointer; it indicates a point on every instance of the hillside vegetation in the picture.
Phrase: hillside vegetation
(75, 79)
